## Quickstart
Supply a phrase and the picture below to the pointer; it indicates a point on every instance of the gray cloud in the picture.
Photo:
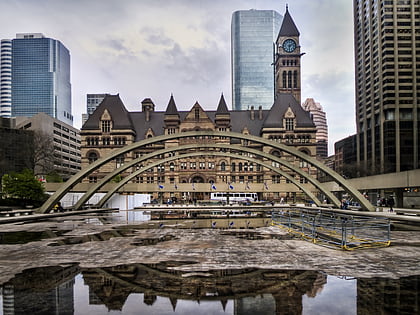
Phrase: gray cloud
(143, 48)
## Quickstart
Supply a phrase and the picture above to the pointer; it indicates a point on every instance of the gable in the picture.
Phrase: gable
(197, 119)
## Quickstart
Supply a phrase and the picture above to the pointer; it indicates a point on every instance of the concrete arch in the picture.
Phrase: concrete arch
(48, 205)
(138, 172)
(146, 157)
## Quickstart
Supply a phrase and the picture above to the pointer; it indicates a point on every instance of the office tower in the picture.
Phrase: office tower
(40, 77)
(320, 120)
(287, 62)
(92, 101)
(387, 60)
(56, 145)
(253, 35)
(5, 78)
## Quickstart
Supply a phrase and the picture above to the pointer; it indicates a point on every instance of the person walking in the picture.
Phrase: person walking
(391, 203)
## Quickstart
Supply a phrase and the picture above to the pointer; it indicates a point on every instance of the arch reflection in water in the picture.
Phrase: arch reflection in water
(165, 289)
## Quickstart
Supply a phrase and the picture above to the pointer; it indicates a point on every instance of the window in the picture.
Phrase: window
(233, 167)
(290, 123)
(92, 157)
(284, 79)
(210, 165)
(171, 131)
(202, 165)
(106, 125)
(193, 165)
(172, 167)
(183, 165)
(223, 166)
(197, 114)
(119, 161)
(106, 141)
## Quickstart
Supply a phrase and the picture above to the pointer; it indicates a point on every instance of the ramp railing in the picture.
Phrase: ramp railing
(335, 230)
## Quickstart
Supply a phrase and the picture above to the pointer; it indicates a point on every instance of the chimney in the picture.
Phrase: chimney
(252, 113)
(147, 114)
(260, 115)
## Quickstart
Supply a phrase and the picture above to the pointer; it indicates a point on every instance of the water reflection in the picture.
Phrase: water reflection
(159, 289)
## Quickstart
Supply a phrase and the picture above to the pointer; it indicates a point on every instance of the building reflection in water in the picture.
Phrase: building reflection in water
(388, 296)
(46, 290)
(253, 291)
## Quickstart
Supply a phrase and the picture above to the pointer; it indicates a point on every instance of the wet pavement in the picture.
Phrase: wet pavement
(93, 242)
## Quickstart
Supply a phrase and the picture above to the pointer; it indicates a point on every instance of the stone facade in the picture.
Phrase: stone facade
(111, 126)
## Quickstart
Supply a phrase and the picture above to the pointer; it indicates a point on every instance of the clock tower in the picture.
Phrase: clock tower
(287, 61)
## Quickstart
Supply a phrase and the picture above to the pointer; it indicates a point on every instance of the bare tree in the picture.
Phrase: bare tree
(43, 153)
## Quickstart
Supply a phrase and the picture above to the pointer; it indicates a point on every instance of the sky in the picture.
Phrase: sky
(155, 48)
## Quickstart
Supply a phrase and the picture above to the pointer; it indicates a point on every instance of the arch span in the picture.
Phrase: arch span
(48, 205)
(146, 157)
(273, 168)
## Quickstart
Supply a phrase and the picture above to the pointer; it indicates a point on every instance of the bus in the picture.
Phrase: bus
(234, 197)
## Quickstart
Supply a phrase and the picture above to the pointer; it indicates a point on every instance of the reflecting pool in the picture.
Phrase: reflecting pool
(163, 289)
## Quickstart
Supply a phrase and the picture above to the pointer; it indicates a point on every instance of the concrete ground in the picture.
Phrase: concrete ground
(86, 240)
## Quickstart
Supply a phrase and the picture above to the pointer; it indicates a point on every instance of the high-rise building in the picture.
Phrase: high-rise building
(387, 59)
(253, 35)
(40, 77)
(92, 101)
(5, 78)
(57, 145)
(320, 120)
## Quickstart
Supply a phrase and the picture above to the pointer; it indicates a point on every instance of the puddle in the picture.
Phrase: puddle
(167, 288)
(23, 237)
(255, 235)
(143, 240)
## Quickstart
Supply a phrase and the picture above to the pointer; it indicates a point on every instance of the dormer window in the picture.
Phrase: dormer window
(290, 123)
(106, 126)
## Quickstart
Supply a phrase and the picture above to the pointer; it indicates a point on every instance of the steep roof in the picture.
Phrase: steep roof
(279, 108)
(222, 107)
(121, 118)
(288, 26)
(171, 108)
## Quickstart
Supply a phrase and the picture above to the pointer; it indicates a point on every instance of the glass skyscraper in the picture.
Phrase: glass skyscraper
(254, 33)
(40, 77)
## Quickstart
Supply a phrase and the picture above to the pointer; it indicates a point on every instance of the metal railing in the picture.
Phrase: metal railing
(332, 229)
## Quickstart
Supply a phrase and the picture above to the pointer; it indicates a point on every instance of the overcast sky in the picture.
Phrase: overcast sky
(152, 48)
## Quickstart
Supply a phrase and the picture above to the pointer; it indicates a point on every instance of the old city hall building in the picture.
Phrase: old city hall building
(112, 126)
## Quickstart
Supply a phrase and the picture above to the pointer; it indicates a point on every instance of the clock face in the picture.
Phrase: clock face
(289, 45)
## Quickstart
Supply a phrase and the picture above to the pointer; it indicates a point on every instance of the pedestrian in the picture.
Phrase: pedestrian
(391, 203)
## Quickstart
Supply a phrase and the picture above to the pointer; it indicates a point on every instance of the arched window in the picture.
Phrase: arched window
(92, 157)
(172, 167)
(289, 79)
(284, 79)
(276, 153)
(240, 167)
(295, 79)
(233, 167)
(246, 167)
(223, 166)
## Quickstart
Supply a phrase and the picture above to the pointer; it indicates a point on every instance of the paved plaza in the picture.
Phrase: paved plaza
(86, 240)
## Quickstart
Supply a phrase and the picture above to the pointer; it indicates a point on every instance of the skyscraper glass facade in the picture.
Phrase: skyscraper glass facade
(254, 33)
(41, 77)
